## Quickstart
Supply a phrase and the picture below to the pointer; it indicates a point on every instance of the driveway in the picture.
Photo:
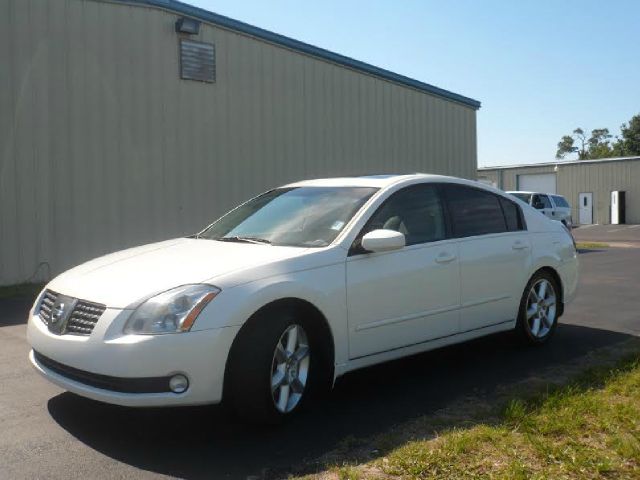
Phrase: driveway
(45, 432)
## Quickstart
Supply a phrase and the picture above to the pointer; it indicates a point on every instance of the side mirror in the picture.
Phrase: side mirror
(383, 241)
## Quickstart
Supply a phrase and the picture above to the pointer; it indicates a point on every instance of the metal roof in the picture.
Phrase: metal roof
(275, 38)
(560, 164)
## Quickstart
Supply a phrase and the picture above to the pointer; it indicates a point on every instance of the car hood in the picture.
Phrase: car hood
(123, 279)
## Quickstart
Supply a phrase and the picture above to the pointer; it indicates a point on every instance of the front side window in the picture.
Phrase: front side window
(560, 201)
(298, 216)
(474, 211)
(416, 211)
(545, 201)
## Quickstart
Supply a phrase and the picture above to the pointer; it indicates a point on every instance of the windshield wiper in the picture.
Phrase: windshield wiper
(262, 241)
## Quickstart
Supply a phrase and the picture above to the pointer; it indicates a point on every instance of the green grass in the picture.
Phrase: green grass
(22, 290)
(589, 245)
(587, 429)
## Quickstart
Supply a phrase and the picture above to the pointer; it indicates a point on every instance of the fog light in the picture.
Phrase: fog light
(178, 383)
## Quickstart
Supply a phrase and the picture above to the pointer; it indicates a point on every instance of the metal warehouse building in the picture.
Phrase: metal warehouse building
(586, 184)
(126, 122)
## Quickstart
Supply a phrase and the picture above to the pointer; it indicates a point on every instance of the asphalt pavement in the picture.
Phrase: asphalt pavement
(608, 234)
(48, 433)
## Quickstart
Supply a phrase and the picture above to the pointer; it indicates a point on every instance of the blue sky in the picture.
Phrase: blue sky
(540, 68)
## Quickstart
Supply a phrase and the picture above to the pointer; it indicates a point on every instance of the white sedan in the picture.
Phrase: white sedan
(290, 290)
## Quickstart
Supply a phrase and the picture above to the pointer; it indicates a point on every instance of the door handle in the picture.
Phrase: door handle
(519, 245)
(445, 257)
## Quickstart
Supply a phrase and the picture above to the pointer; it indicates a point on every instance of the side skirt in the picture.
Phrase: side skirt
(361, 362)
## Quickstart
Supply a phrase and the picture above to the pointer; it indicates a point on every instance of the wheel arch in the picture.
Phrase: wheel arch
(300, 307)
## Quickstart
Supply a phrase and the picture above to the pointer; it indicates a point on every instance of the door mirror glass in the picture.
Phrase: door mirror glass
(383, 240)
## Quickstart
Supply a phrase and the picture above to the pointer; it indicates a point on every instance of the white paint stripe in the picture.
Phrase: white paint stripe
(634, 226)
(615, 230)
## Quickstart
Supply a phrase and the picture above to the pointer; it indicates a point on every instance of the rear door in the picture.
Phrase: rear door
(494, 251)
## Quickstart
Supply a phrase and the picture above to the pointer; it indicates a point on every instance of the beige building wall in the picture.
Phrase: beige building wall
(103, 146)
(599, 177)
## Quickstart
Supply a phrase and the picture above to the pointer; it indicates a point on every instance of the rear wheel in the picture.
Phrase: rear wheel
(276, 365)
(538, 315)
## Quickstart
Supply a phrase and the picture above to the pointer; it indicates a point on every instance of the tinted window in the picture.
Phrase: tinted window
(546, 203)
(474, 212)
(560, 201)
(525, 197)
(415, 211)
(511, 215)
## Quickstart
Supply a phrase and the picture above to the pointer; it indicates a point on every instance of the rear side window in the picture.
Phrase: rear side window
(512, 215)
(474, 211)
(560, 201)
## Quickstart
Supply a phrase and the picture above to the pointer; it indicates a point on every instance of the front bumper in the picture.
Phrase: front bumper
(127, 359)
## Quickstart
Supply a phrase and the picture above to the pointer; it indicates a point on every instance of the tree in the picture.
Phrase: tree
(596, 146)
(599, 144)
(567, 145)
(629, 144)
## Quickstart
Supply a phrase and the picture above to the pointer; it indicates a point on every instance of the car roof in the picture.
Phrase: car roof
(534, 193)
(378, 181)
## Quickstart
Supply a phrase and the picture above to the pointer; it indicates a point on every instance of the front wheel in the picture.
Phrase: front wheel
(538, 315)
(275, 367)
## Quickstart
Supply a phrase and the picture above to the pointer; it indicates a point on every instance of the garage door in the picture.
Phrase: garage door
(537, 182)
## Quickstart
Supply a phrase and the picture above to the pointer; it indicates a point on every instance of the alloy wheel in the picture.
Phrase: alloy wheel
(541, 308)
(290, 368)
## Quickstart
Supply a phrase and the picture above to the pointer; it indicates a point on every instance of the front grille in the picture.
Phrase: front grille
(81, 320)
(84, 317)
(105, 382)
(46, 305)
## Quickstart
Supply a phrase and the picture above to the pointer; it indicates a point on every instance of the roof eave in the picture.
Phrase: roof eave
(296, 45)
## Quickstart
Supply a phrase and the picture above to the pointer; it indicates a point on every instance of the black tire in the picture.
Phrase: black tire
(525, 326)
(251, 362)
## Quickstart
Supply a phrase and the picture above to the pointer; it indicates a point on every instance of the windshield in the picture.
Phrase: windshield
(299, 217)
(525, 197)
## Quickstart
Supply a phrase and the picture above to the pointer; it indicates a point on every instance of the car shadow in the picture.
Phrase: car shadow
(205, 442)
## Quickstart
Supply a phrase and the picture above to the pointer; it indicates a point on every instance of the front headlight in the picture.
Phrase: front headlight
(173, 311)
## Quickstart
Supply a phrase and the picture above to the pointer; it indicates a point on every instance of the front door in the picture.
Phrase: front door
(407, 296)
(586, 208)
(543, 204)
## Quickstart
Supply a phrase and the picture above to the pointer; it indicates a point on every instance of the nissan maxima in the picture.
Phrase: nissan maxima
(272, 302)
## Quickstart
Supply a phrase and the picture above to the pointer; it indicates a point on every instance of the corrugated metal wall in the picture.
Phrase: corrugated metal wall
(102, 146)
(600, 178)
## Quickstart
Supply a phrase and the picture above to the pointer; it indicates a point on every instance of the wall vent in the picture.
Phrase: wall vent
(197, 61)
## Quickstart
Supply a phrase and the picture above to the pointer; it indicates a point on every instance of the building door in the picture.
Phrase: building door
(537, 182)
(586, 208)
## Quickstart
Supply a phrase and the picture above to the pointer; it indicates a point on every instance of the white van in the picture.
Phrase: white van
(555, 207)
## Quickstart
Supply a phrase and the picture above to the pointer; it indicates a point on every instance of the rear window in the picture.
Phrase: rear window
(560, 201)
